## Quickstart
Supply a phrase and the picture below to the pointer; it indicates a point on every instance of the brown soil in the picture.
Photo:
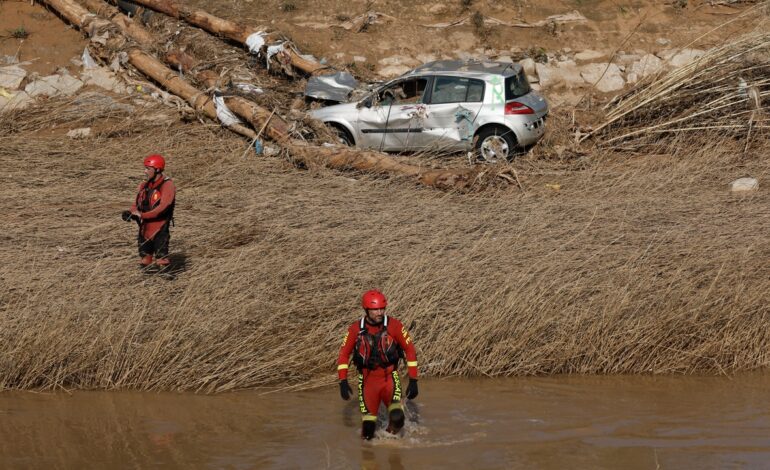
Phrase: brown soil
(50, 44)
(610, 23)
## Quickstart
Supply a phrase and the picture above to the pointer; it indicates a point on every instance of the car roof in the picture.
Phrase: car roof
(475, 68)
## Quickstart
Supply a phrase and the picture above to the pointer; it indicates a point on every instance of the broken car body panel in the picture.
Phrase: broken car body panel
(443, 105)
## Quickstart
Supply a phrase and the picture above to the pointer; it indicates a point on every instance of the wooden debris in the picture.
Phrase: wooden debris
(238, 33)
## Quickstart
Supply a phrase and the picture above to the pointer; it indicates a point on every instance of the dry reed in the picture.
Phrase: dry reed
(723, 93)
(633, 266)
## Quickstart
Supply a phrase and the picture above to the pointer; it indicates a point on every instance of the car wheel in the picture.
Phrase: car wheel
(495, 144)
(343, 136)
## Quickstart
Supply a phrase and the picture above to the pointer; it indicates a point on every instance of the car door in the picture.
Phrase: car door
(395, 115)
(451, 109)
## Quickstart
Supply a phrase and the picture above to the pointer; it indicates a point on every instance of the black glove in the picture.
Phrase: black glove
(126, 216)
(345, 390)
(411, 389)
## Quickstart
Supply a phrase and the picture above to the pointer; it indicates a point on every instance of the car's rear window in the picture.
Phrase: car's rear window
(516, 86)
(457, 90)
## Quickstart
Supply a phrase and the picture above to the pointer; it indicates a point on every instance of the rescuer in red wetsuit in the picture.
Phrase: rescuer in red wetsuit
(377, 342)
(153, 209)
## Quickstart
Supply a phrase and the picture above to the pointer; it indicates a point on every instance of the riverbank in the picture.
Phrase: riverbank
(603, 263)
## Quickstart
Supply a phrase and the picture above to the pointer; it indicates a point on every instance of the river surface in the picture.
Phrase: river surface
(532, 423)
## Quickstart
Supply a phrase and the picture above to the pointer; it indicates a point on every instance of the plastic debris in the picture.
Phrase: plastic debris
(255, 41)
(80, 133)
(744, 184)
(226, 117)
(258, 147)
(88, 61)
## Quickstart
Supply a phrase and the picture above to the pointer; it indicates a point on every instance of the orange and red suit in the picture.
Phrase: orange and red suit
(376, 350)
(155, 203)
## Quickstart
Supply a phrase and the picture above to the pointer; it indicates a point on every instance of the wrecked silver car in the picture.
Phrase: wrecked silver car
(447, 106)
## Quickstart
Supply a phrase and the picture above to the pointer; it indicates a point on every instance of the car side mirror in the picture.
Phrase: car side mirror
(366, 102)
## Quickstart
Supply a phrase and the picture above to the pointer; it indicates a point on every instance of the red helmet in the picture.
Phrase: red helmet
(155, 161)
(373, 299)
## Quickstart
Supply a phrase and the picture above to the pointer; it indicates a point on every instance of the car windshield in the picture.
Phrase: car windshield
(516, 86)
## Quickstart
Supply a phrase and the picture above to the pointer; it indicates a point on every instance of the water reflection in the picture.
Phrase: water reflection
(580, 422)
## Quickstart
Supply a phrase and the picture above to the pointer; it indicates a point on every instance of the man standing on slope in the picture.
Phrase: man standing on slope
(153, 209)
(377, 342)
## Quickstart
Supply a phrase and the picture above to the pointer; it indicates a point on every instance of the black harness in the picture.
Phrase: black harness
(375, 350)
(144, 202)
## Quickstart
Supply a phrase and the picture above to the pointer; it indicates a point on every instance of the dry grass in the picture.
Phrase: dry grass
(634, 266)
(724, 93)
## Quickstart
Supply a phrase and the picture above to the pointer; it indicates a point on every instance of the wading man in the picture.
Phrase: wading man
(377, 342)
(153, 209)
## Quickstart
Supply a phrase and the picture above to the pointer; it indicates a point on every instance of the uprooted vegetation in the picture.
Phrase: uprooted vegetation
(634, 265)
(721, 94)
(602, 261)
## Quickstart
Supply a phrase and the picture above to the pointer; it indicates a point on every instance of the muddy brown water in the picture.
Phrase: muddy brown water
(548, 423)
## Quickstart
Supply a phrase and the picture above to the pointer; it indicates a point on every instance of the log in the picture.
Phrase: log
(334, 157)
(340, 158)
(135, 31)
(228, 29)
(275, 126)
(90, 24)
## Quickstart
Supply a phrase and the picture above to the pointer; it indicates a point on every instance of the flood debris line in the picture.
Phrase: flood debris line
(725, 90)
(228, 109)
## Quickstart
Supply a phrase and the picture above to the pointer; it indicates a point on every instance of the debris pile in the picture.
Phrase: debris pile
(725, 91)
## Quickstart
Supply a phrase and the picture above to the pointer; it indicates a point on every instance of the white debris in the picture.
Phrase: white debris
(358, 58)
(79, 133)
(18, 100)
(12, 76)
(54, 85)
(255, 41)
(88, 61)
(103, 78)
(744, 184)
(225, 116)
(273, 50)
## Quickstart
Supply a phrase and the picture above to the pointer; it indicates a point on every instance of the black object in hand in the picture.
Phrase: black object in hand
(126, 216)
(411, 389)
(345, 390)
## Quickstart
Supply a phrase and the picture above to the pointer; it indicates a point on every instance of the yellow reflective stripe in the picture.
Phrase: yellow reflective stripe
(342, 366)
(369, 418)
(394, 406)
(411, 363)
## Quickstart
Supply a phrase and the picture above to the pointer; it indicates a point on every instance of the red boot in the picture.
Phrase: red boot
(162, 262)
(146, 260)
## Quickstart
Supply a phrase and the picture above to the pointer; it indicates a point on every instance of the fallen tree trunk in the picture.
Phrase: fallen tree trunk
(148, 65)
(135, 31)
(334, 157)
(275, 126)
(245, 35)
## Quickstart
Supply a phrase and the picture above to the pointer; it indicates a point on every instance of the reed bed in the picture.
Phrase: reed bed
(634, 266)
(724, 93)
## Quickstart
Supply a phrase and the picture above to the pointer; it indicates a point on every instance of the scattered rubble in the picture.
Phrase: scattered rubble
(80, 133)
(744, 184)
(54, 85)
